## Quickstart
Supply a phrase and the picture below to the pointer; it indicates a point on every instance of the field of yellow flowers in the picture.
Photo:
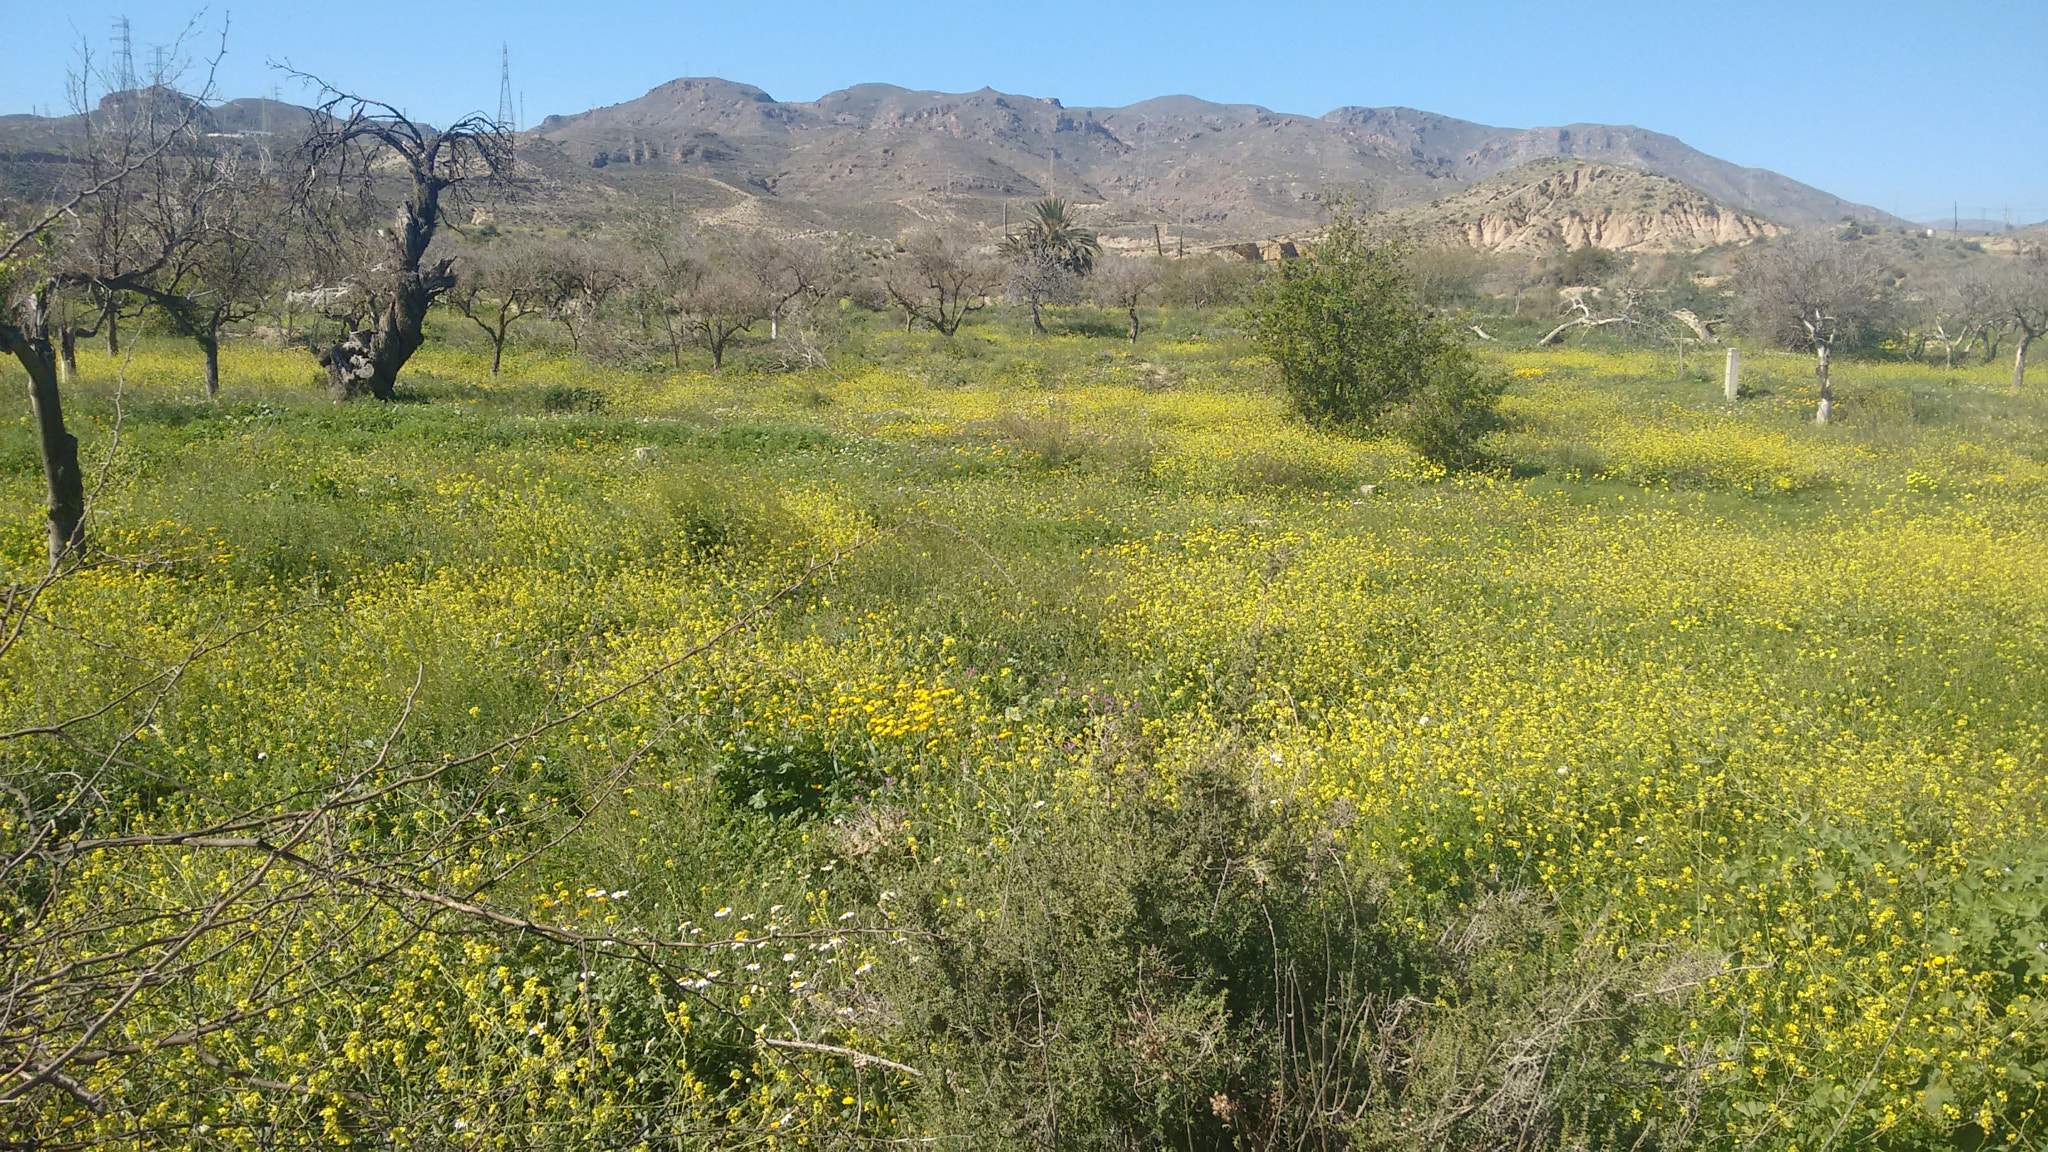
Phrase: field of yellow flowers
(1677, 782)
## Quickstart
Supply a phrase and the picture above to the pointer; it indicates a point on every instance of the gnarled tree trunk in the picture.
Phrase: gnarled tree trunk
(348, 366)
(369, 361)
(209, 343)
(29, 342)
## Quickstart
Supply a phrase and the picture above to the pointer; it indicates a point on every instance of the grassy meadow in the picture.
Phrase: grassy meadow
(1136, 766)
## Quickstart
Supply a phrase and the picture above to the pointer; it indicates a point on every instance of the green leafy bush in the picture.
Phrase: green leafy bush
(571, 398)
(1355, 350)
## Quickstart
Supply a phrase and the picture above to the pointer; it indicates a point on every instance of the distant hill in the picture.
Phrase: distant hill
(1555, 205)
(1222, 169)
(878, 159)
(36, 151)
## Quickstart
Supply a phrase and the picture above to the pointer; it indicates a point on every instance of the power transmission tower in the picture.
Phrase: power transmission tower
(505, 120)
(124, 56)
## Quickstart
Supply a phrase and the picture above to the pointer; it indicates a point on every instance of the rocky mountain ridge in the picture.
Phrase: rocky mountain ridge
(1554, 205)
(1170, 174)
(1218, 168)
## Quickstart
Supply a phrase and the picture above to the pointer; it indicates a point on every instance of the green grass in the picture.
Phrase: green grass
(1142, 711)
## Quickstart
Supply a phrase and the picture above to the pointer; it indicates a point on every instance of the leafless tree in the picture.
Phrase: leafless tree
(2018, 294)
(352, 139)
(1446, 276)
(1204, 280)
(590, 273)
(25, 334)
(505, 283)
(1127, 284)
(703, 291)
(63, 246)
(793, 273)
(232, 270)
(1628, 305)
(1580, 314)
(1049, 255)
(714, 302)
(191, 231)
(206, 246)
(1813, 291)
(1040, 279)
(937, 282)
(1953, 309)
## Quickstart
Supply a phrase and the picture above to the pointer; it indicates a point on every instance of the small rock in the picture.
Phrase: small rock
(644, 454)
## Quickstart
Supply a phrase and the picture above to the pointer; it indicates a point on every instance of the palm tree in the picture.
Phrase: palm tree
(1049, 233)
(1051, 248)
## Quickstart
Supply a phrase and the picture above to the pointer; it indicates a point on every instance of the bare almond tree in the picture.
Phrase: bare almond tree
(936, 281)
(713, 302)
(1127, 284)
(2019, 302)
(210, 246)
(352, 140)
(25, 335)
(505, 283)
(1814, 291)
(792, 273)
(43, 253)
(590, 274)
(1954, 309)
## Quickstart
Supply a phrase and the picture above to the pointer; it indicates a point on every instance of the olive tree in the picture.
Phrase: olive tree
(1813, 292)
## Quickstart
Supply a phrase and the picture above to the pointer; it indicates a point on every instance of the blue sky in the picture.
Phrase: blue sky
(1907, 106)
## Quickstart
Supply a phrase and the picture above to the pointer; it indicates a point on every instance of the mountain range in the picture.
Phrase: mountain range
(878, 159)
(1226, 169)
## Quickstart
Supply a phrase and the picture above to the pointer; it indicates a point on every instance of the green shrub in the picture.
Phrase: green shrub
(1356, 350)
(571, 398)
(1180, 968)
(1445, 419)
